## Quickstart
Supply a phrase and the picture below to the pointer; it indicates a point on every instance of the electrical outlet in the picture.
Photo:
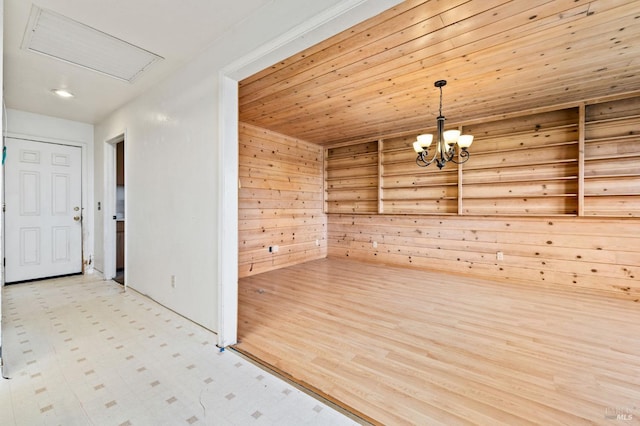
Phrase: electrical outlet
(499, 255)
(318, 243)
(173, 281)
(375, 244)
(274, 249)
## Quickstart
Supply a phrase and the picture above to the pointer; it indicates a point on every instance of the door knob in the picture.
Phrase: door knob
(76, 218)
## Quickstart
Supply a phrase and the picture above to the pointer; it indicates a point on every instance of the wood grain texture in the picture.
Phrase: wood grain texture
(578, 161)
(352, 178)
(401, 346)
(574, 254)
(612, 159)
(280, 201)
(498, 56)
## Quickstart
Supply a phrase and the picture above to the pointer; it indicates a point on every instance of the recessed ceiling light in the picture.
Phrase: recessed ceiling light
(63, 93)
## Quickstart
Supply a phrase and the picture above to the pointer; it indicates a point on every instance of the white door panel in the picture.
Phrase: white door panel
(43, 210)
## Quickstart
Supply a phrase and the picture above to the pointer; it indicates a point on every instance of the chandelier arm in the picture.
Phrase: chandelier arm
(463, 156)
(451, 152)
(421, 160)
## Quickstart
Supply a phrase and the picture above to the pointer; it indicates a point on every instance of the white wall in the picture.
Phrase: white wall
(2, 125)
(26, 125)
(175, 164)
(38, 127)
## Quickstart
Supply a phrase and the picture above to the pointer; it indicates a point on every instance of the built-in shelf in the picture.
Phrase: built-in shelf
(421, 185)
(528, 163)
(614, 119)
(348, 188)
(525, 148)
(358, 176)
(414, 173)
(521, 180)
(522, 164)
(529, 131)
(613, 139)
(521, 196)
(418, 199)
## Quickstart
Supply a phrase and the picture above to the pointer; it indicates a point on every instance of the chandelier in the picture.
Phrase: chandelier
(445, 150)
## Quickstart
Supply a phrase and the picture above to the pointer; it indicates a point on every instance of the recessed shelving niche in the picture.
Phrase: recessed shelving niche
(612, 159)
(526, 165)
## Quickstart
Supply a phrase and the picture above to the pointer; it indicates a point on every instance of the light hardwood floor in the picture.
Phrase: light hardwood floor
(400, 346)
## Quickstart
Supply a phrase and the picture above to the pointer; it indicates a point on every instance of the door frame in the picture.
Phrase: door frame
(86, 201)
(109, 208)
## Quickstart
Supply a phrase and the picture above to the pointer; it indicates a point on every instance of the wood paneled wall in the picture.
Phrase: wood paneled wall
(280, 201)
(585, 254)
(556, 193)
(531, 192)
(575, 161)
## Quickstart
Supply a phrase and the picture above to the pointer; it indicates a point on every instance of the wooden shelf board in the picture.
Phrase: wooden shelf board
(420, 213)
(359, 155)
(391, 150)
(612, 139)
(613, 120)
(419, 199)
(350, 188)
(612, 157)
(425, 185)
(565, 178)
(506, 197)
(352, 177)
(522, 214)
(534, 163)
(417, 175)
(632, 194)
(620, 176)
(527, 132)
(525, 148)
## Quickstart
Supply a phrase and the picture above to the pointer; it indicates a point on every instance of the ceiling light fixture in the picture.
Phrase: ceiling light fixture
(446, 142)
(63, 93)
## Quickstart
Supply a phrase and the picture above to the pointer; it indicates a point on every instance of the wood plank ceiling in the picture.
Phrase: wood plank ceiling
(498, 56)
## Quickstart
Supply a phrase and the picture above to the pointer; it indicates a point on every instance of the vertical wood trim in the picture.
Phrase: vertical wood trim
(460, 210)
(581, 149)
(460, 204)
(380, 178)
(325, 191)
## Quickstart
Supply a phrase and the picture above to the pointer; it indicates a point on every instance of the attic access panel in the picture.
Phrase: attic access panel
(62, 38)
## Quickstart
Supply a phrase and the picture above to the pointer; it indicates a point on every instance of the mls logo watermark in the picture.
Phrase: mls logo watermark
(616, 413)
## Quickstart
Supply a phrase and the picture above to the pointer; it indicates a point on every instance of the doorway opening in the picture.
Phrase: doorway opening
(119, 216)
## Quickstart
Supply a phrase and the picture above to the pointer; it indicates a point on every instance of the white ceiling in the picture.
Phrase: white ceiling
(176, 30)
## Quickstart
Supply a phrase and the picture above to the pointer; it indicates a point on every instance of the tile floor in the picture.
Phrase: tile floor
(82, 351)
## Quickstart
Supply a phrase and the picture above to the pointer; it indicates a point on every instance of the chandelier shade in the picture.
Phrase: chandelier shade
(446, 142)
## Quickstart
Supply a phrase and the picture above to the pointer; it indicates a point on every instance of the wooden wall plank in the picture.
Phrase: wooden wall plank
(588, 255)
(352, 175)
(280, 201)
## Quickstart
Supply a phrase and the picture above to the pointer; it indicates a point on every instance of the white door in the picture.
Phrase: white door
(43, 218)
